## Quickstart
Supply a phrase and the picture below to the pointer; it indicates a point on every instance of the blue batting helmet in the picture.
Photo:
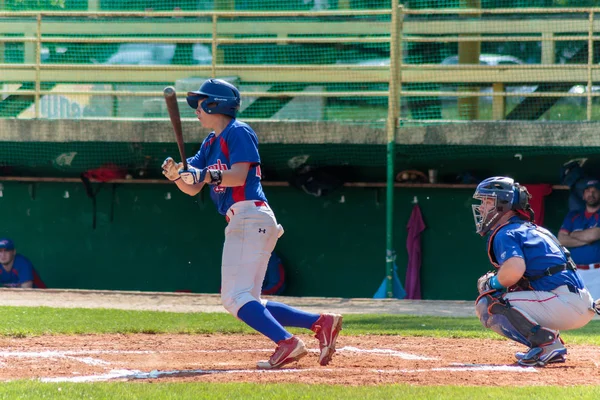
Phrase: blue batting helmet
(221, 97)
(507, 195)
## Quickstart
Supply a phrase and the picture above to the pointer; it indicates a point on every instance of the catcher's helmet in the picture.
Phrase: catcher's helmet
(507, 195)
(221, 97)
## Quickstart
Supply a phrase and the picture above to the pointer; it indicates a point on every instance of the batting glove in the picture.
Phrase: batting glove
(192, 175)
(170, 169)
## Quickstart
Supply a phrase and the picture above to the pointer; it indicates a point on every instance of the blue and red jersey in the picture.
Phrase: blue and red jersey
(22, 271)
(537, 247)
(237, 143)
(579, 221)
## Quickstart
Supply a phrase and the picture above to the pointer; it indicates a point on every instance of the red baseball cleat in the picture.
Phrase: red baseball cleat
(287, 351)
(327, 328)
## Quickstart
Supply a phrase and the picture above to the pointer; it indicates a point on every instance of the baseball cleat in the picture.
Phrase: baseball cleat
(541, 356)
(327, 328)
(287, 351)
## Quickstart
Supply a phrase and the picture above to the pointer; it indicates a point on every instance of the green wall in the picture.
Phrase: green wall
(333, 246)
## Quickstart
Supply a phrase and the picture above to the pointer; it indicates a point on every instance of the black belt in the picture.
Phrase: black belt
(554, 270)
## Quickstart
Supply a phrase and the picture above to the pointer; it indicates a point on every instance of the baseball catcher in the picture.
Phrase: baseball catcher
(534, 290)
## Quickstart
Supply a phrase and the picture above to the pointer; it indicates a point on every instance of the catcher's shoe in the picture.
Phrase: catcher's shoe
(287, 351)
(541, 356)
(327, 328)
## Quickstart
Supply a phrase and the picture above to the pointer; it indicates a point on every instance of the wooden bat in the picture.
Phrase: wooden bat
(173, 108)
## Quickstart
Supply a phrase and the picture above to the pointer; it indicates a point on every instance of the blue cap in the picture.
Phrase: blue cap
(7, 244)
(592, 183)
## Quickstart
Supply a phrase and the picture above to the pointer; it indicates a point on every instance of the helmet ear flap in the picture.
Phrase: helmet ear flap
(521, 203)
(522, 197)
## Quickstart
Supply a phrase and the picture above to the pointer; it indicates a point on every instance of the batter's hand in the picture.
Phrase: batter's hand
(170, 169)
(192, 175)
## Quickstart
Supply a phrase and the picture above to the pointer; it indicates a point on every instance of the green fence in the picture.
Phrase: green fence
(465, 88)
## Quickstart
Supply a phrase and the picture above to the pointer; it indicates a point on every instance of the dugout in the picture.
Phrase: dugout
(145, 231)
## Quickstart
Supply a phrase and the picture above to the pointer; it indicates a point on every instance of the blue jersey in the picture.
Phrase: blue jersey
(578, 221)
(537, 247)
(22, 271)
(237, 143)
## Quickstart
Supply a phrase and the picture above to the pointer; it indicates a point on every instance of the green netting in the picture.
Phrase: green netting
(115, 67)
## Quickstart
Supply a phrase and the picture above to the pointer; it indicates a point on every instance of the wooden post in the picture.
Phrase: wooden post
(548, 48)
(343, 4)
(224, 5)
(498, 102)
(93, 5)
(468, 53)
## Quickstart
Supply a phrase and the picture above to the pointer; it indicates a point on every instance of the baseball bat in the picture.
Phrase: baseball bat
(173, 109)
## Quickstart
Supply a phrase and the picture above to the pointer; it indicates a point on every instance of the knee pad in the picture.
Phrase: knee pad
(233, 302)
(497, 314)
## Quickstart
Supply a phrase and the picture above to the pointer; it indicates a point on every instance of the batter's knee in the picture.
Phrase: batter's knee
(233, 302)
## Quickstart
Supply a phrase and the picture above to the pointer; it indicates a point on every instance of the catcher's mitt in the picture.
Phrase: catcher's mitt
(483, 283)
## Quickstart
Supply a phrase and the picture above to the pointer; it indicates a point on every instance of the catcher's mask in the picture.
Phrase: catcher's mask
(499, 195)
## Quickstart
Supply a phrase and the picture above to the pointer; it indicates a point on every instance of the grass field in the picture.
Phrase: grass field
(27, 322)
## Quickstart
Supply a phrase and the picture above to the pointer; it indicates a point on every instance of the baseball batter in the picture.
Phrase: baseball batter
(229, 163)
(535, 291)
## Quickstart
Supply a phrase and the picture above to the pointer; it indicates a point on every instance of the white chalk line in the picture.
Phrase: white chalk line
(137, 374)
(75, 355)
(387, 352)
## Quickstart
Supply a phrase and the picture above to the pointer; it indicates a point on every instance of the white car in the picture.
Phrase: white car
(493, 60)
(487, 59)
(156, 54)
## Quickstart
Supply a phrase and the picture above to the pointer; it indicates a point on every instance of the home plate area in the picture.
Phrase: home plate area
(360, 360)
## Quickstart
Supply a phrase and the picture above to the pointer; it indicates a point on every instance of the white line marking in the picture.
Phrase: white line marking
(463, 368)
(135, 374)
(387, 352)
(51, 355)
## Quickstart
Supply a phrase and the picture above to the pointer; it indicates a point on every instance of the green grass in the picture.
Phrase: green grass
(248, 391)
(28, 321)
(35, 321)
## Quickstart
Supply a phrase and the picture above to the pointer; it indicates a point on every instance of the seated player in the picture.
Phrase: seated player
(17, 271)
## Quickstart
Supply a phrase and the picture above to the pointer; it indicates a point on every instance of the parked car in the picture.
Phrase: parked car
(156, 54)
(487, 59)
(581, 101)
(493, 60)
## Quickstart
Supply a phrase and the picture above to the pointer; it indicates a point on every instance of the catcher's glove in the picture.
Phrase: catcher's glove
(483, 283)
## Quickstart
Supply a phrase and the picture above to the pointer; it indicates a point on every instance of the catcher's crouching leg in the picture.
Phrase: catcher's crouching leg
(497, 314)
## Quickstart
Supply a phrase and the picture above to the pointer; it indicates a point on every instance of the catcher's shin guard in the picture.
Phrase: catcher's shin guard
(497, 314)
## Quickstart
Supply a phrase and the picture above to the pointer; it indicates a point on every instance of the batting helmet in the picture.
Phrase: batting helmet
(221, 97)
(507, 195)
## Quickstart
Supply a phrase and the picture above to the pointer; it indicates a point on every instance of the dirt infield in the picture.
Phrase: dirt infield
(363, 360)
(360, 360)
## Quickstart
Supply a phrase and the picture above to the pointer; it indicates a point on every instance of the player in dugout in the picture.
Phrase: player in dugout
(17, 271)
(228, 162)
